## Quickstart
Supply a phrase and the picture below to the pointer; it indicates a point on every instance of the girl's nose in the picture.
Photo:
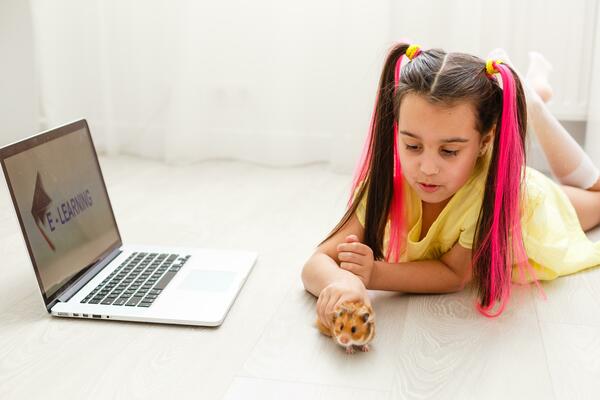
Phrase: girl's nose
(429, 168)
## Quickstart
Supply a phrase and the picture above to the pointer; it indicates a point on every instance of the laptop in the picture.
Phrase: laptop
(82, 267)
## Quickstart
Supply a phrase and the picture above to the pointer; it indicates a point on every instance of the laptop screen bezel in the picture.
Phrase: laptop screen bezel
(29, 143)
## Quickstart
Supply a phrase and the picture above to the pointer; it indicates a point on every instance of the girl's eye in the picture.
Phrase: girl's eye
(450, 152)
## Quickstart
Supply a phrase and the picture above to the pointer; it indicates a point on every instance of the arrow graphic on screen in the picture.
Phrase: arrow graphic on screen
(41, 201)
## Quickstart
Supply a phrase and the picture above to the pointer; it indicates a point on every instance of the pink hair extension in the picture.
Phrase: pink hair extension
(397, 223)
(397, 220)
(505, 237)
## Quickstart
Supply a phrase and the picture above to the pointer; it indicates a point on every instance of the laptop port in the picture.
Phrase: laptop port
(75, 315)
(63, 314)
(85, 315)
(96, 316)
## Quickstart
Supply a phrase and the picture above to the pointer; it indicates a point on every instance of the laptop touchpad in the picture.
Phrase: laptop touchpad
(208, 280)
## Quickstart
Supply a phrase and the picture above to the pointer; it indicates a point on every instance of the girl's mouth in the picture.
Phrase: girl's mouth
(428, 188)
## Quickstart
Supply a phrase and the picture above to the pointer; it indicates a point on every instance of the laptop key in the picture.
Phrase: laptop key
(134, 301)
(165, 280)
(120, 301)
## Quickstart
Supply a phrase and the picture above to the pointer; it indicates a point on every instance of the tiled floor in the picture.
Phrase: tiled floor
(427, 346)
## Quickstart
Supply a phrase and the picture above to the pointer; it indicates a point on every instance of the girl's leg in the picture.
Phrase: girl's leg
(554, 140)
(586, 204)
(568, 161)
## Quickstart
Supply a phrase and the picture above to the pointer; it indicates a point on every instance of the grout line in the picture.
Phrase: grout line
(571, 324)
(267, 324)
(313, 383)
(539, 324)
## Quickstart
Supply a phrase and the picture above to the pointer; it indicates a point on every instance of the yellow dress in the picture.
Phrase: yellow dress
(553, 238)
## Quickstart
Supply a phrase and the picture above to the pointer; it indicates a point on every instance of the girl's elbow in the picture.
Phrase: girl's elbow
(305, 274)
(463, 282)
(308, 274)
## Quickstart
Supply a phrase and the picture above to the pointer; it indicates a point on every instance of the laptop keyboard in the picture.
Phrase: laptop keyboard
(138, 281)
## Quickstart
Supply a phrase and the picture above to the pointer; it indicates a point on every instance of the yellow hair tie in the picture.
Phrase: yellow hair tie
(489, 67)
(413, 51)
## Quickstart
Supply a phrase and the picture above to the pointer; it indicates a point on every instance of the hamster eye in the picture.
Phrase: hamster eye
(342, 327)
(353, 329)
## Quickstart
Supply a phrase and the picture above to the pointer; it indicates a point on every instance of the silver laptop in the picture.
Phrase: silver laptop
(82, 268)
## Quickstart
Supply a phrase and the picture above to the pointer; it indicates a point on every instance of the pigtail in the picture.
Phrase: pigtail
(378, 174)
(379, 165)
(499, 241)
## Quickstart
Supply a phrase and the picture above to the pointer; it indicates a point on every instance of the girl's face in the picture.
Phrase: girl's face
(439, 146)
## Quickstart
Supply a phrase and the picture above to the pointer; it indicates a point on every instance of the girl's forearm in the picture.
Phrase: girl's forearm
(321, 270)
(427, 276)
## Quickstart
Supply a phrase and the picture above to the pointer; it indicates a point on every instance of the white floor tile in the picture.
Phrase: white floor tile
(264, 389)
(574, 360)
(449, 351)
(291, 347)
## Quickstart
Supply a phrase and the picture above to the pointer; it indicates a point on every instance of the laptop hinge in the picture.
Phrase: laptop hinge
(85, 278)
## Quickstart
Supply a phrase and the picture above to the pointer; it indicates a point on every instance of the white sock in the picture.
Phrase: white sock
(537, 75)
(569, 163)
(584, 176)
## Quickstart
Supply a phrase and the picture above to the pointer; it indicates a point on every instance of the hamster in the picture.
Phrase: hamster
(353, 326)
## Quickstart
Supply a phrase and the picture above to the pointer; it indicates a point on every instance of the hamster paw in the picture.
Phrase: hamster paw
(350, 350)
(364, 348)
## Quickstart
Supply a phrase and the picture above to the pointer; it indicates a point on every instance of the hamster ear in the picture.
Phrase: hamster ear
(339, 313)
(365, 317)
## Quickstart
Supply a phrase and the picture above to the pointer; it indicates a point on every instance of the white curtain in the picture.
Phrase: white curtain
(276, 82)
(18, 88)
(266, 81)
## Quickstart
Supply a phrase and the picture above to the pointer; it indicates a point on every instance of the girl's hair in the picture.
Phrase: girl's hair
(448, 79)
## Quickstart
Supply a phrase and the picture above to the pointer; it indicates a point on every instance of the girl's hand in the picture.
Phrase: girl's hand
(356, 258)
(335, 294)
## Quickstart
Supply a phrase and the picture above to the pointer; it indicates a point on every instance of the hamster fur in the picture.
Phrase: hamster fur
(353, 326)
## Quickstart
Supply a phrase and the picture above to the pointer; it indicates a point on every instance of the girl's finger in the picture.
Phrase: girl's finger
(349, 256)
(321, 307)
(352, 267)
(329, 310)
(321, 302)
(355, 247)
(351, 238)
(347, 297)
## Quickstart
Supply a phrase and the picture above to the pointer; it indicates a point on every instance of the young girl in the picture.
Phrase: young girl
(442, 196)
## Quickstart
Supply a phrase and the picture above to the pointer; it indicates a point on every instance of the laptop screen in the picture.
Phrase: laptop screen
(62, 204)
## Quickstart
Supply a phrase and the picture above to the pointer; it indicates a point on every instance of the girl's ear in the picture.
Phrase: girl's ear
(485, 142)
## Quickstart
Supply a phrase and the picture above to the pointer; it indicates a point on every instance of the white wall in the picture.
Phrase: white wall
(18, 97)
(592, 135)
(165, 63)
